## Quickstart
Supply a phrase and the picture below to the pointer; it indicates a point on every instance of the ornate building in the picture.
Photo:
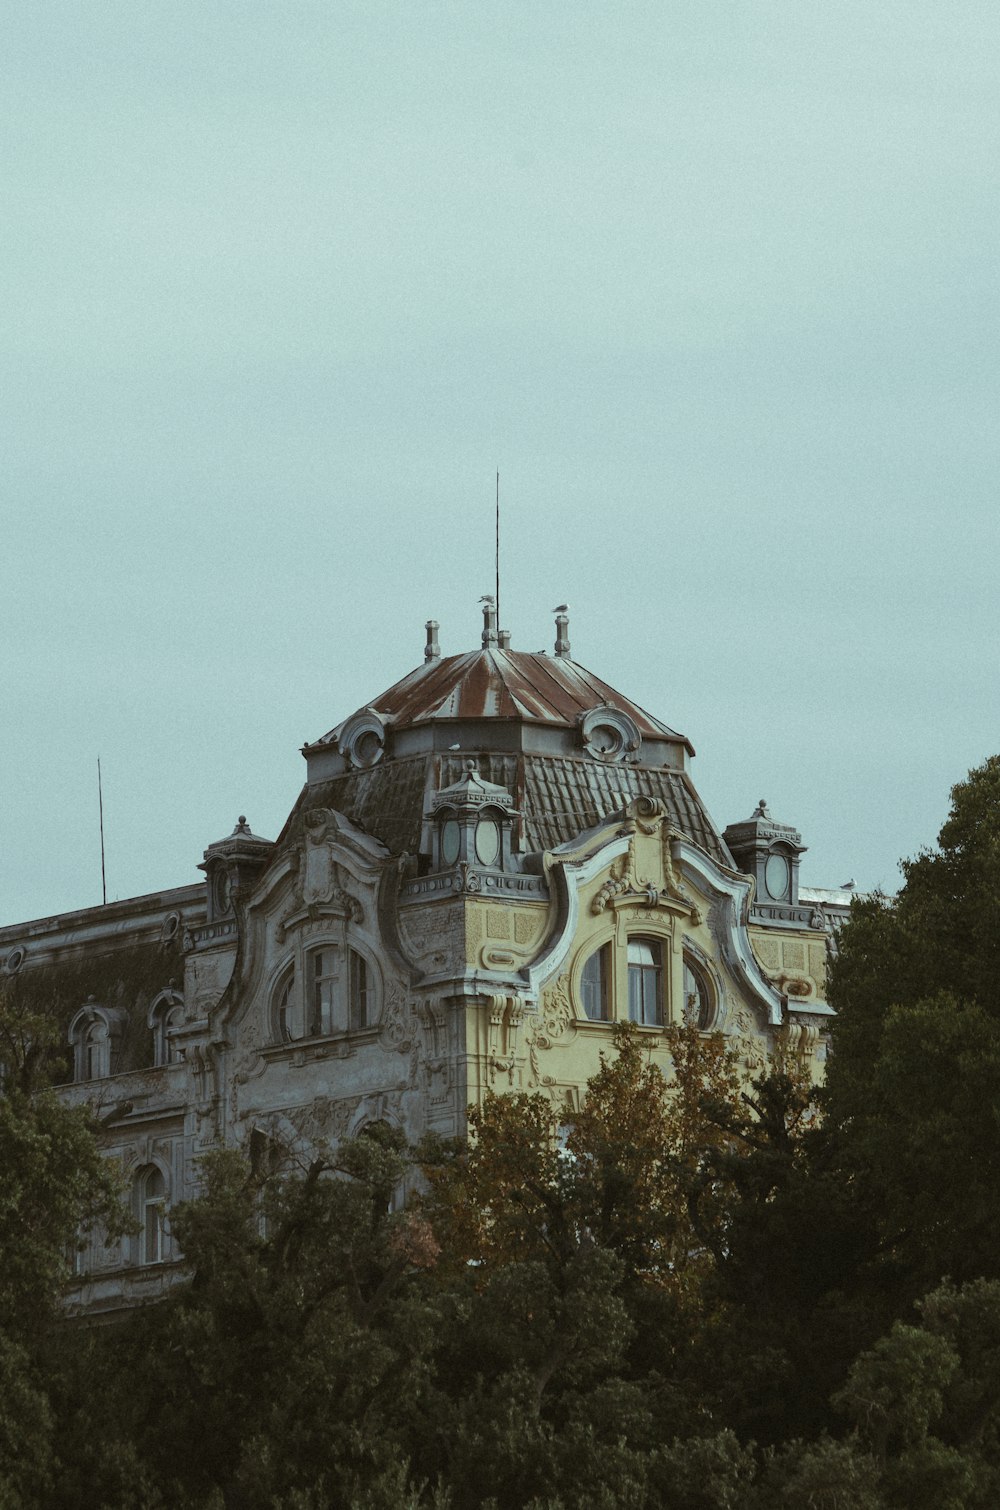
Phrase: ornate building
(488, 866)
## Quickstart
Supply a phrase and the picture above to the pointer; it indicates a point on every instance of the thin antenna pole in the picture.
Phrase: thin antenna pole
(100, 808)
(499, 620)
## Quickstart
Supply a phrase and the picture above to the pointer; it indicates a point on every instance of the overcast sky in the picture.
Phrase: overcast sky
(713, 283)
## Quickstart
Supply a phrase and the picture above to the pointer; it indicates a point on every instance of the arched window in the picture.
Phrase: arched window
(699, 998)
(151, 1211)
(166, 1015)
(94, 1034)
(594, 985)
(323, 980)
(645, 982)
(97, 1047)
(340, 991)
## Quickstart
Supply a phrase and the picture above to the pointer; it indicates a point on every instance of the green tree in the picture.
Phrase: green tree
(54, 1183)
(287, 1370)
(917, 1054)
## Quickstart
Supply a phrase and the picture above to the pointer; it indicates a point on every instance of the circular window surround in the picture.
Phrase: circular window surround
(608, 734)
(362, 739)
(171, 926)
(15, 959)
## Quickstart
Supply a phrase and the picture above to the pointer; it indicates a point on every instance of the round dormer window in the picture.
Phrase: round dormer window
(608, 734)
(362, 739)
(604, 740)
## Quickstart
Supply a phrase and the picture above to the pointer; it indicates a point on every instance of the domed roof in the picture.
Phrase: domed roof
(505, 684)
(568, 747)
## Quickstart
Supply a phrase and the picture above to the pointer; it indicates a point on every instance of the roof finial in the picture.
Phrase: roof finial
(489, 620)
(562, 629)
(432, 650)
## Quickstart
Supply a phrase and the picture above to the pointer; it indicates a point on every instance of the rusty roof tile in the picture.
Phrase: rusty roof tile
(506, 684)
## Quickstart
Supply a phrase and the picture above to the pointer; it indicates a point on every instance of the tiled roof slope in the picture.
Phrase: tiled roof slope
(558, 797)
(506, 684)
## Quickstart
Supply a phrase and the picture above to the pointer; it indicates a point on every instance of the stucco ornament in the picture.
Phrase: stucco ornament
(320, 873)
(398, 1026)
(751, 1045)
(625, 887)
(552, 1026)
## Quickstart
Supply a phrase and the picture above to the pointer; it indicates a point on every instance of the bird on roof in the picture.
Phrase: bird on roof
(848, 885)
(487, 598)
(561, 608)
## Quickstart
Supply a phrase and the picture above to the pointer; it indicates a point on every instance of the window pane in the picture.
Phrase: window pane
(645, 982)
(283, 1015)
(359, 992)
(594, 986)
(153, 1189)
(322, 967)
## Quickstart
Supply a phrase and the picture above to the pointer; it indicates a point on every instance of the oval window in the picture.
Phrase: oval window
(776, 877)
(487, 841)
(223, 892)
(699, 1007)
(449, 842)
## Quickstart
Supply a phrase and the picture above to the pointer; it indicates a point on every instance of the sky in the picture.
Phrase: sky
(712, 284)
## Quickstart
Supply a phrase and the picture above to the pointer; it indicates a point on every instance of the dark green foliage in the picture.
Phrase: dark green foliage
(53, 1183)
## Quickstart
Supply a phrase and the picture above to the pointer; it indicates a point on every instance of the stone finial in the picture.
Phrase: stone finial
(760, 811)
(489, 620)
(432, 650)
(242, 826)
(562, 629)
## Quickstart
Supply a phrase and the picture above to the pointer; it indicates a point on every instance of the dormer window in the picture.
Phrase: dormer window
(473, 819)
(97, 1051)
(94, 1035)
(166, 1016)
(340, 995)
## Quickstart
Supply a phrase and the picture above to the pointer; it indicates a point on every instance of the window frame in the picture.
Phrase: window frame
(646, 980)
(709, 991)
(601, 986)
(94, 1036)
(657, 1006)
(151, 1208)
(339, 997)
(164, 1012)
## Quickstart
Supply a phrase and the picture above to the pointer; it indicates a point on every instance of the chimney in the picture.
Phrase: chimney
(504, 637)
(562, 632)
(489, 622)
(432, 650)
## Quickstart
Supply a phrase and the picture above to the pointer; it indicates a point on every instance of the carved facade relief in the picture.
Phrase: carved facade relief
(625, 886)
